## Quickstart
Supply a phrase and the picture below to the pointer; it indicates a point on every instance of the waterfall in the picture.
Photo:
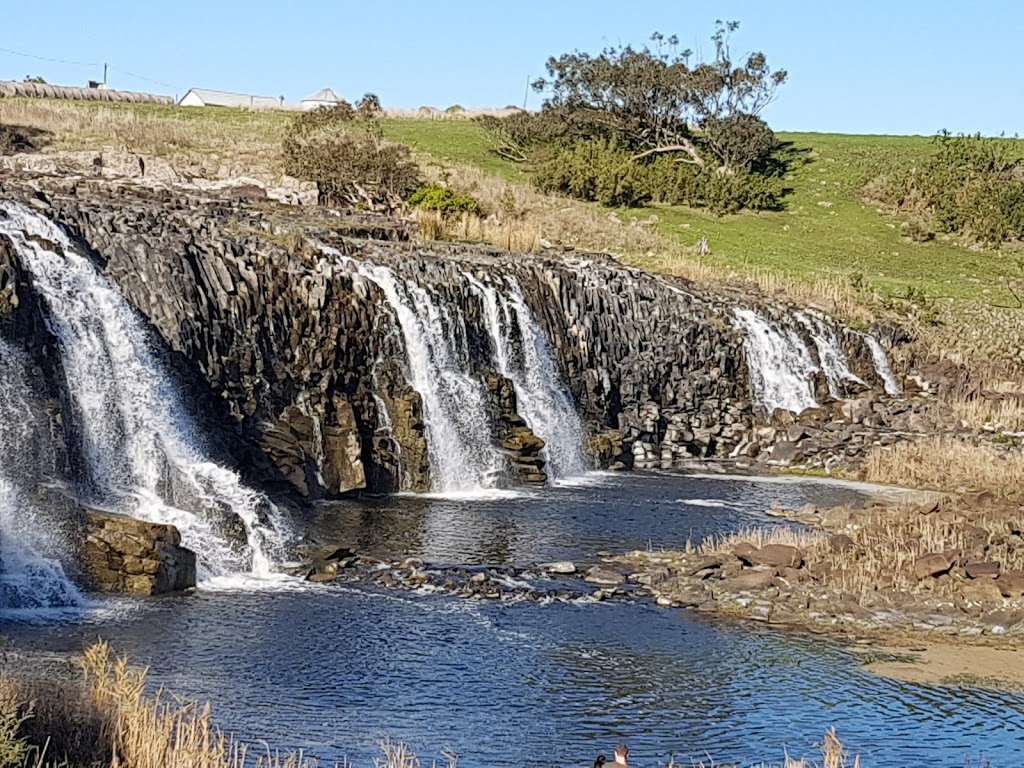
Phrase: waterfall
(831, 354)
(881, 360)
(523, 355)
(463, 456)
(780, 364)
(31, 575)
(142, 456)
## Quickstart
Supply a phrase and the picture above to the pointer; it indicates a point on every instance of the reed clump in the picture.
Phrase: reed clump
(882, 545)
(949, 463)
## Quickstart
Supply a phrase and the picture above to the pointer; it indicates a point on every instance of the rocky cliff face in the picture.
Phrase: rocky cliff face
(283, 337)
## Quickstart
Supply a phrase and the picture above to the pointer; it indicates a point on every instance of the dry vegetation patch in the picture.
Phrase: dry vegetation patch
(950, 463)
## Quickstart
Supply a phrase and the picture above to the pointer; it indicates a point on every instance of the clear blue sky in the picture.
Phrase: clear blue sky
(873, 66)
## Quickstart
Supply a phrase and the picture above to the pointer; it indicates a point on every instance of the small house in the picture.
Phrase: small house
(325, 97)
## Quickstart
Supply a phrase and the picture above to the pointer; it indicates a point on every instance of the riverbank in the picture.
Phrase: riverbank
(950, 571)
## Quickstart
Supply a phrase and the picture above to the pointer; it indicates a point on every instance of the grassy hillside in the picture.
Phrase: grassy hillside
(824, 231)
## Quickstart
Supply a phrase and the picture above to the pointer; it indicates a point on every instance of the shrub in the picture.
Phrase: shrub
(970, 186)
(444, 200)
(597, 171)
(343, 151)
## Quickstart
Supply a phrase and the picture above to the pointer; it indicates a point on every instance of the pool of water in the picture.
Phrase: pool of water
(335, 669)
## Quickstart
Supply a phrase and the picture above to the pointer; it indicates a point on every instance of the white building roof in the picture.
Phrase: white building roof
(227, 99)
(325, 95)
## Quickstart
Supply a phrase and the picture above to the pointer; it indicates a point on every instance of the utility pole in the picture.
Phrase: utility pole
(526, 94)
(104, 73)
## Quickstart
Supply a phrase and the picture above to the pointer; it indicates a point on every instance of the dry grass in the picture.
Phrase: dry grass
(801, 538)
(523, 218)
(107, 719)
(886, 543)
(227, 136)
(947, 463)
(991, 414)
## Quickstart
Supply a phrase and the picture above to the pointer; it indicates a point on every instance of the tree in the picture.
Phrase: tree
(654, 102)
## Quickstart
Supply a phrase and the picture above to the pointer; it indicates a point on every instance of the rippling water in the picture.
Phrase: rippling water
(334, 669)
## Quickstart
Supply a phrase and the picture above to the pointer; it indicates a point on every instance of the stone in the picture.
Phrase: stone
(1011, 583)
(855, 411)
(564, 567)
(754, 578)
(975, 537)
(604, 577)
(122, 554)
(984, 591)
(777, 555)
(933, 564)
(979, 570)
(743, 550)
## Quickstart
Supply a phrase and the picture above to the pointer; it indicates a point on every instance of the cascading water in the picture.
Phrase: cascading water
(137, 440)
(462, 453)
(831, 354)
(31, 575)
(523, 355)
(881, 360)
(780, 364)
(782, 367)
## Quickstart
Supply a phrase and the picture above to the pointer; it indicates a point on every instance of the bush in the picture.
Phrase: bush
(600, 172)
(597, 171)
(343, 151)
(971, 186)
(444, 200)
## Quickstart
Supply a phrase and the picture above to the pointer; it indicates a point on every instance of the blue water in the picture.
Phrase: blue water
(335, 669)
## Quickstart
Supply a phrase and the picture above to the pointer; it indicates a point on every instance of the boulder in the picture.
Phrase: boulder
(777, 555)
(122, 554)
(754, 578)
(841, 543)
(1011, 583)
(981, 570)
(933, 564)
(604, 577)
(743, 551)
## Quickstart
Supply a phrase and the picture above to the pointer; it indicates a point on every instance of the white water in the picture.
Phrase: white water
(462, 454)
(523, 355)
(780, 364)
(881, 360)
(831, 354)
(143, 458)
(31, 575)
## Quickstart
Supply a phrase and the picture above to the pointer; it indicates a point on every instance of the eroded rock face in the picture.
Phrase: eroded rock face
(122, 554)
(300, 359)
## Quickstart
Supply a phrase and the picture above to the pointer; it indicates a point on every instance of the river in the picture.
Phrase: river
(334, 669)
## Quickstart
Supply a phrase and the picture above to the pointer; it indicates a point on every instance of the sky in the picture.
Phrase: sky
(872, 66)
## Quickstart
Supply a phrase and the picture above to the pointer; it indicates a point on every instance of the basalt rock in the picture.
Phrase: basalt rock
(122, 554)
(299, 358)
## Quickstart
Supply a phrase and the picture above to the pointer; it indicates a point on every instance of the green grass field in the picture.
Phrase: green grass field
(824, 231)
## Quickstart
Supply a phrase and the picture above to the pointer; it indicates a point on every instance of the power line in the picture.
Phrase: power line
(87, 64)
(47, 58)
